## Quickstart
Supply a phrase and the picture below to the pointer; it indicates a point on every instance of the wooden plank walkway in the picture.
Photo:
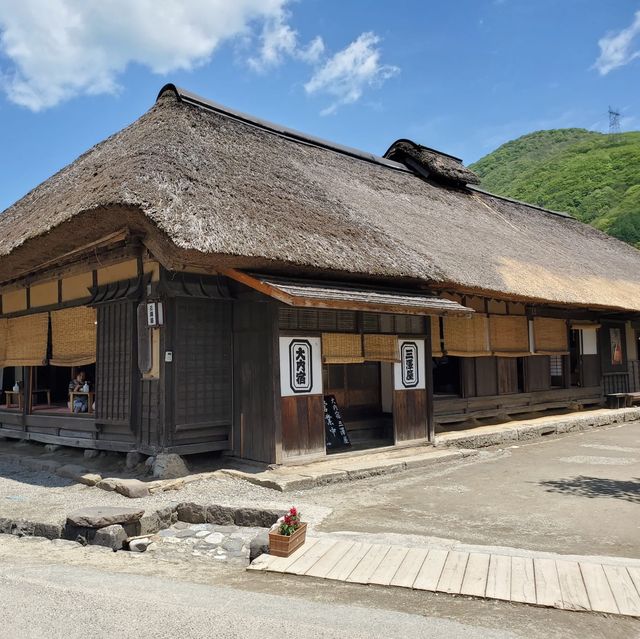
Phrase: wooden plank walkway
(564, 583)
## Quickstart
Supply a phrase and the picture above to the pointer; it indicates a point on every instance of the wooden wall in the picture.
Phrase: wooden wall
(257, 427)
(303, 426)
(410, 415)
(116, 371)
(202, 374)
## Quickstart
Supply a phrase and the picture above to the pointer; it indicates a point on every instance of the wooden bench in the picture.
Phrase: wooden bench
(623, 400)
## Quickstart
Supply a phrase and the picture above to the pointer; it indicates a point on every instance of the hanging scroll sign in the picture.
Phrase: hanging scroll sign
(336, 432)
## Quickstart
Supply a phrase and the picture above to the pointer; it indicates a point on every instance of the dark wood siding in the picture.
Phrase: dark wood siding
(590, 371)
(410, 415)
(116, 378)
(486, 377)
(202, 372)
(537, 373)
(150, 412)
(257, 427)
(507, 375)
(303, 425)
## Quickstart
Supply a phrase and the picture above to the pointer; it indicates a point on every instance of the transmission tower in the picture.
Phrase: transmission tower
(614, 121)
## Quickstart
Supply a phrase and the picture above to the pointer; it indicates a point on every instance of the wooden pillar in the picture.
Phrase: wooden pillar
(428, 360)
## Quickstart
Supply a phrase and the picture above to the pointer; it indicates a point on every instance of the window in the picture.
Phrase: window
(446, 375)
(556, 369)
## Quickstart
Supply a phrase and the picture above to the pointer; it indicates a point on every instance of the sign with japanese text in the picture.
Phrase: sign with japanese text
(300, 366)
(336, 433)
(409, 372)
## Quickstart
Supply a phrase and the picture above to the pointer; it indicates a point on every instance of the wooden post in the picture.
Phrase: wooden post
(428, 360)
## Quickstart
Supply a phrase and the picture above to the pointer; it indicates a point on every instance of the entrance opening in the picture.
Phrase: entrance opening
(574, 357)
(446, 376)
(363, 394)
(51, 389)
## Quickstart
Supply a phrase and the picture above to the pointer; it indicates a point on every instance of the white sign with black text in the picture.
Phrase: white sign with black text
(300, 366)
(409, 372)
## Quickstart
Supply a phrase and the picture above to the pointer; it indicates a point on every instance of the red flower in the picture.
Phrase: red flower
(293, 512)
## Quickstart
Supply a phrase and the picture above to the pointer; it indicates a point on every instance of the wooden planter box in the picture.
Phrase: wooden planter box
(285, 545)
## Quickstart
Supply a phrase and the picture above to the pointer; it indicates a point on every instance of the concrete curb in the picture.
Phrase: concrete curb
(344, 470)
(484, 436)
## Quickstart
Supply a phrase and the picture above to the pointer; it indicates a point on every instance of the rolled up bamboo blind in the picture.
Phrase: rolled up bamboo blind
(26, 340)
(381, 348)
(550, 336)
(436, 343)
(466, 337)
(73, 336)
(342, 348)
(509, 335)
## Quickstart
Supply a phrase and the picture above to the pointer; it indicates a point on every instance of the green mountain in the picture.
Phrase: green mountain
(593, 176)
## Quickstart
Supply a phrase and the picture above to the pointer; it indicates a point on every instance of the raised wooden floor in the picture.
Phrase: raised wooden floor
(534, 578)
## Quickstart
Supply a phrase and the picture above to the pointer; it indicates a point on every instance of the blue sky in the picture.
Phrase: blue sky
(462, 76)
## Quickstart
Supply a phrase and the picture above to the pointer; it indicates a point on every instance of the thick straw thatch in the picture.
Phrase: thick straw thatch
(438, 166)
(219, 188)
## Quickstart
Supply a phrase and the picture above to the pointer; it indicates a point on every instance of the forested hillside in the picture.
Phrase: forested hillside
(593, 176)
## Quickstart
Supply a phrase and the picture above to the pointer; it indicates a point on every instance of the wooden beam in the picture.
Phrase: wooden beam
(345, 305)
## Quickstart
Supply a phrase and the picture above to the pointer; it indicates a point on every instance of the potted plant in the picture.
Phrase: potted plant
(288, 534)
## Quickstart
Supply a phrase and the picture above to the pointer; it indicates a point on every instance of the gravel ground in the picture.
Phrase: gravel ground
(43, 497)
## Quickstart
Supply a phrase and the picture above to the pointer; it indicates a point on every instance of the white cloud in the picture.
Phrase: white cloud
(62, 48)
(617, 48)
(350, 71)
(278, 40)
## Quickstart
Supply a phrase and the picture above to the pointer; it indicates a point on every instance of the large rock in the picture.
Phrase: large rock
(169, 466)
(256, 517)
(133, 459)
(132, 488)
(221, 515)
(192, 513)
(101, 516)
(112, 536)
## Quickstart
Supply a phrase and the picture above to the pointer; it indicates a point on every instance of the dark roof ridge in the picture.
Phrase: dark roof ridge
(278, 129)
(473, 187)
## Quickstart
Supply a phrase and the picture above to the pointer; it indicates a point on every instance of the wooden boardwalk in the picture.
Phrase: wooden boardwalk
(564, 583)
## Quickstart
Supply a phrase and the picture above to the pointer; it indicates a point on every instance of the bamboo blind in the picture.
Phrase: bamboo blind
(381, 348)
(73, 336)
(466, 337)
(342, 348)
(509, 335)
(550, 336)
(26, 338)
(436, 344)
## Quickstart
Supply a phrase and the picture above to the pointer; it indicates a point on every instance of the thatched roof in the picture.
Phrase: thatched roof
(439, 166)
(212, 185)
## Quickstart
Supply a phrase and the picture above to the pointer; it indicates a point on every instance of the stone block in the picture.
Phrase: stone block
(109, 483)
(112, 536)
(254, 517)
(169, 466)
(222, 515)
(132, 488)
(192, 513)
(101, 516)
(91, 453)
(133, 459)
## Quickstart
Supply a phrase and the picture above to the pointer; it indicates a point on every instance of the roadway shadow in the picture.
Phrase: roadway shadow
(583, 486)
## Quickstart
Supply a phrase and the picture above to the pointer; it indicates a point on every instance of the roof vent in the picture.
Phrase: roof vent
(430, 163)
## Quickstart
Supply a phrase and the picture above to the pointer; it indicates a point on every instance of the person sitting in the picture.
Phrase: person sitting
(77, 384)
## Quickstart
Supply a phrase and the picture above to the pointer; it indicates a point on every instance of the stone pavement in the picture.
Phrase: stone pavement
(449, 446)
(512, 431)
(348, 466)
(608, 585)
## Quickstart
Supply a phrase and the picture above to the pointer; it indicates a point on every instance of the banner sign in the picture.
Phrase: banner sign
(336, 433)
(409, 372)
(300, 366)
